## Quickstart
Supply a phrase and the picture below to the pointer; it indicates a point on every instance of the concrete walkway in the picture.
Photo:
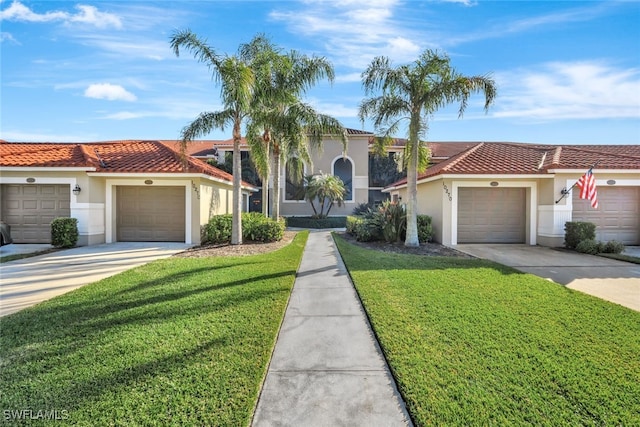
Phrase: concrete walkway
(327, 368)
(28, 281)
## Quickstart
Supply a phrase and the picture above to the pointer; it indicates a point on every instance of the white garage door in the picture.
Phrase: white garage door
(492, 215)
(150, 214)
(617, 216)
(30, 208)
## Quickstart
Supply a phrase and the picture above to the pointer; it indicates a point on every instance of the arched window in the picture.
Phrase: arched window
(294, 187)
(343, 169)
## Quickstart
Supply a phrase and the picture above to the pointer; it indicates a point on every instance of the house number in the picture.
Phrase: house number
(446, 190)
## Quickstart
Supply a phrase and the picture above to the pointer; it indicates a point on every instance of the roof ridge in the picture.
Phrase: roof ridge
(91, 158)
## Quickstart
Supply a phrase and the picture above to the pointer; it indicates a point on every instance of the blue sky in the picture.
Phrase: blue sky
(568, 72)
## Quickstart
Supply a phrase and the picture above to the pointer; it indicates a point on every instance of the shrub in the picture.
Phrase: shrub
(351, 223)
(362, 208)
(425, 229)
(64, 232)
(255, 227)
(577, 231)
(393, 221)
(258, 228)
(613, 247)
(218, 229)
(590, 246)
(308, 222)
(368, 230)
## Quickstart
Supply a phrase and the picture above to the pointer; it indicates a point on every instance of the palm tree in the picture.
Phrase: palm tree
(237, 85)
(327, 190)
(415, 92)
(281, 126)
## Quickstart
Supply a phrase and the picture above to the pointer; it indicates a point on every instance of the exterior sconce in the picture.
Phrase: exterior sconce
(76, 190)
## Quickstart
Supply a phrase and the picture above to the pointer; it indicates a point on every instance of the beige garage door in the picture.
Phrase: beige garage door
(491, 215)
(150, 214)
(617, 216)
(30, 208)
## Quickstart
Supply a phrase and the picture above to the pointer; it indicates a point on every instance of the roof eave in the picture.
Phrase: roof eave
(47, 169)
(468, 176)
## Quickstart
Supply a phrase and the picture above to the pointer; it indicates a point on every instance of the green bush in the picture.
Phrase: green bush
(255, 227)
(362, 208)
(368, 230)
(393, 221)
(64, 232)
(613, 247)
(351, 223)
(258, 228)
(577, 231)
(425, 229)
(590, 246)
(308, 222)
(217, 230)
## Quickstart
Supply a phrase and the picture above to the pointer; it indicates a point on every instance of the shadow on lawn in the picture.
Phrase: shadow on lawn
(64, 340)
(364, 259)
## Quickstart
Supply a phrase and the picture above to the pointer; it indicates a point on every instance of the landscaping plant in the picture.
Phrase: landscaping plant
(64, 232)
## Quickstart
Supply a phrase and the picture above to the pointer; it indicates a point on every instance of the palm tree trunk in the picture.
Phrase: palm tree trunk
(265, 196)
(275, 197)
(412, 187)
(236, 224)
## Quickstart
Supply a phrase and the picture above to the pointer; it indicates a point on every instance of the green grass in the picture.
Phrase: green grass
(180, 341)
(472, 342)
(622, 257)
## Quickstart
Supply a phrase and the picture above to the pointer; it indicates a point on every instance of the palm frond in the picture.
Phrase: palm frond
(201, 51)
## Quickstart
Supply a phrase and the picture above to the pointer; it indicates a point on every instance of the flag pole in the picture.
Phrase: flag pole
(565, 192)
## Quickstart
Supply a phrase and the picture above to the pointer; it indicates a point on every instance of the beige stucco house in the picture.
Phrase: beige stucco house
(516, 193)
(475, 192)
(118, 191)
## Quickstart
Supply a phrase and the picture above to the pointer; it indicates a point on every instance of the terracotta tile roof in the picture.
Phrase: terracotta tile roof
(41, 155)
(358, 132)
(108, 157)
(495, 158)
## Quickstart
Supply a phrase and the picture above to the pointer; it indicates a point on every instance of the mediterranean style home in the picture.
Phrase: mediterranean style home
(476, 192)
(118, 191)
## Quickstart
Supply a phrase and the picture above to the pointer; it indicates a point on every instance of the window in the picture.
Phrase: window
(294, 187)
(343, 169)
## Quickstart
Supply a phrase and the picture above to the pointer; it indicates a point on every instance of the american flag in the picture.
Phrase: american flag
(588, 191)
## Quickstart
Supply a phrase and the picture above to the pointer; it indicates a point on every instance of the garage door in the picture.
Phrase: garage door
(150, 214)
(30, 208)
(491, 215)
(617, 216)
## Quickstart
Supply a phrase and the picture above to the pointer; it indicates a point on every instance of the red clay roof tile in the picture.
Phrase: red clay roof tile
(107, 157)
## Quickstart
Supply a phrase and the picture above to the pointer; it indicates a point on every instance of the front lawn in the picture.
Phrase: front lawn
(472, 342)
(180, 341)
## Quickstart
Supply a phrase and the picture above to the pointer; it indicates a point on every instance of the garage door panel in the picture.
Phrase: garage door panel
(151, 214)
(491, 215)
(617, 216)
(30, 208)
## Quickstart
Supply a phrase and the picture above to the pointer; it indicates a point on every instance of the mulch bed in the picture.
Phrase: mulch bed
(254, 248)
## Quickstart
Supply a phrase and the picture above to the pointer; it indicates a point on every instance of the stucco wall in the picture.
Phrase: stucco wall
(323, 159)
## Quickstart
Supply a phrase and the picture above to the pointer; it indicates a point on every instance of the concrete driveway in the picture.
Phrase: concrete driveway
(28, 281)
(611, 280)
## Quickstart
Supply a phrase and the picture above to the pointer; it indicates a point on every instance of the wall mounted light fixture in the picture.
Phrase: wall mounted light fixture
(76, 190)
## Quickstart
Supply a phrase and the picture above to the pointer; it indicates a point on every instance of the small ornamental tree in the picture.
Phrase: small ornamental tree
(325, 190)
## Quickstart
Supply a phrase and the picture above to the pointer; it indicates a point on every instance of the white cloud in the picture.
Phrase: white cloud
(355, 31)
(86, 15)
(42, 136)
(504, 29)
(109, 91)
(4, 36)
(576, 90)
